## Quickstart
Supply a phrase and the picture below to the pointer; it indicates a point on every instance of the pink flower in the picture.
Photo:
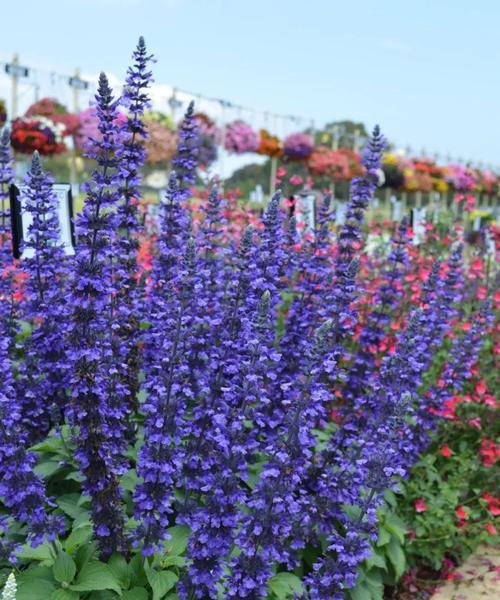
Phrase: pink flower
(420, 505)
(296, 180)
(490, 529)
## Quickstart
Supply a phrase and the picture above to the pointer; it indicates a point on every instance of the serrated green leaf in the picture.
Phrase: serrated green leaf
(96, 576)
(285, 585)
(396, 557)
(64, 568)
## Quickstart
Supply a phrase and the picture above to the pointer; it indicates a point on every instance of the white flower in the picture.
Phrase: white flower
(9, 591)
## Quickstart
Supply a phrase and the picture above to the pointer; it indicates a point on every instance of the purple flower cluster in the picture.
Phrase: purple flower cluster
(43, 375)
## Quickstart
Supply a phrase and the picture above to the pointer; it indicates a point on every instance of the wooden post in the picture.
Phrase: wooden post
(14, 78)
(76, 110)
(272, 180)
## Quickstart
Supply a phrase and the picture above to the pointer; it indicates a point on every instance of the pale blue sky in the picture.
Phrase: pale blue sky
(427, 71)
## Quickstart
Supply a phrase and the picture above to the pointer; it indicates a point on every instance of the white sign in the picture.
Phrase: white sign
(418, 224)
(21, 220)
(340, 212)
(396, 208)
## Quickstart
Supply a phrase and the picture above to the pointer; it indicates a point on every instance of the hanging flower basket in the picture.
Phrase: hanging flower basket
(208, 128)
(269, 145)
(56, 112)
(325, 162)
(241, 138)
(298, 146)
(40, 133)
(161, 143)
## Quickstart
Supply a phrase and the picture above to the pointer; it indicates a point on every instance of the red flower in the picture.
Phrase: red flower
(493, 504)
(446, 451)
(461, 514)
(420, 505)
(490, 529)
(490, 452)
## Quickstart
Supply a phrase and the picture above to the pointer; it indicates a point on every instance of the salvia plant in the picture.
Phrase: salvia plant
(227, 428)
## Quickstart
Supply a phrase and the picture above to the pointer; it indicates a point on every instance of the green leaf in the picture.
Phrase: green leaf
(65, 595)
(161, 582)
(96, 576)
(395, 525)
(397, 557)
(172, 561)
(135, 594)
(376, 560)
(177, 544)
(35, 583)
(51, 445)
(64, 568)
(41, 553)
(47, 468)
(69, 504)
(384, 537)
(120, 569)
(84, 554)
(360, 592)
(285, 585)
(77, 537)
(130, 480)
(137, 574)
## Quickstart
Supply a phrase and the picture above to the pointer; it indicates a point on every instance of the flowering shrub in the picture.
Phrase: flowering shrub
(227, 423)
